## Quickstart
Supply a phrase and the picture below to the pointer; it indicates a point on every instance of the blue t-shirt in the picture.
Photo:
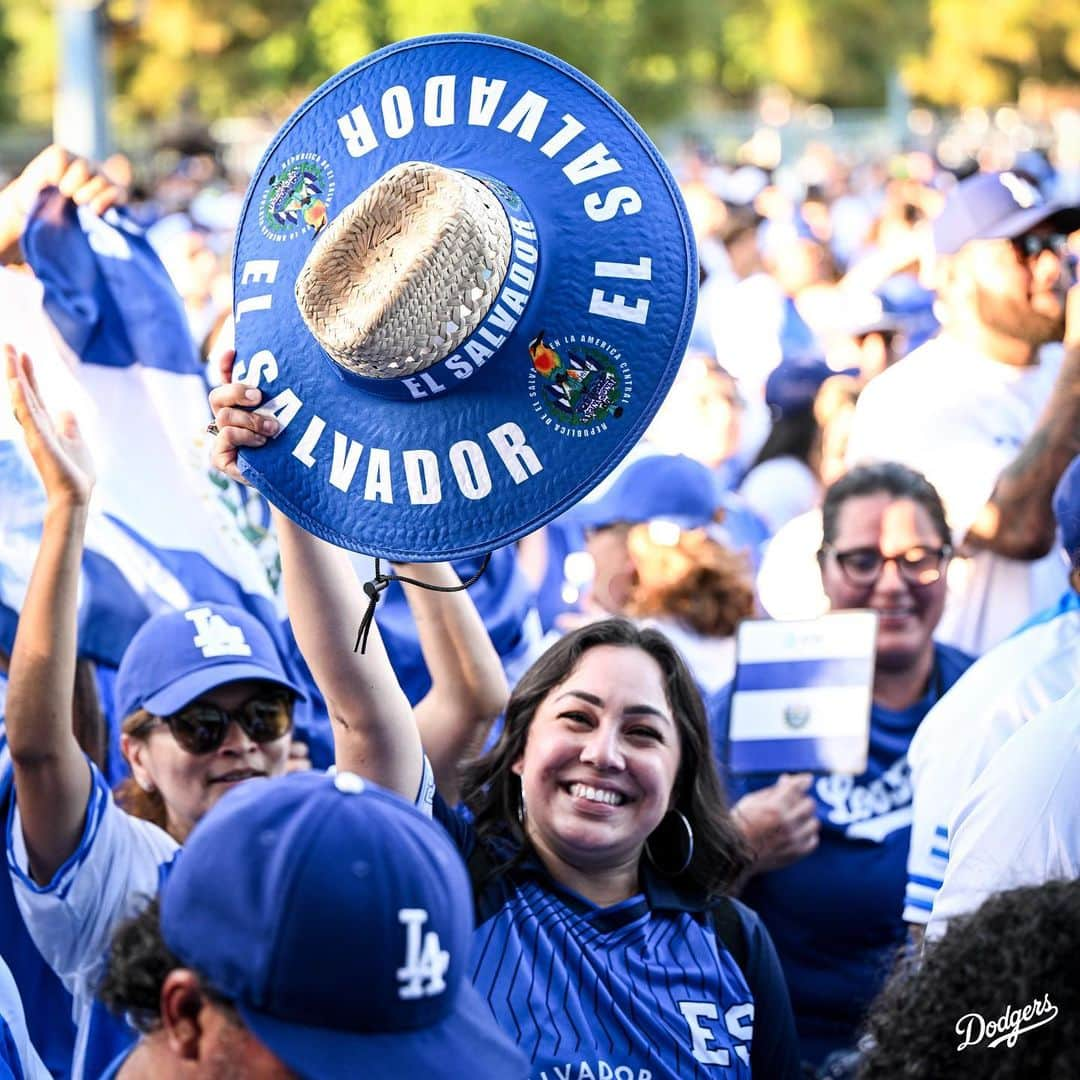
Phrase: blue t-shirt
(836, 915)
(642, 989)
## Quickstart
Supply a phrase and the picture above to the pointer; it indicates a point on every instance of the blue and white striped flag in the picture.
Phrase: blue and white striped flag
(802, 694)
(109, 340)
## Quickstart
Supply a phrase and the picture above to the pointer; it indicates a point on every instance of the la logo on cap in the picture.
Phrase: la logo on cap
(1023, 191)
(426, 961)
(215, 635)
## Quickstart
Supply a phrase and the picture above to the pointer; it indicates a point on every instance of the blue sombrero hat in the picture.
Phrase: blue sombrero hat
(464, 279)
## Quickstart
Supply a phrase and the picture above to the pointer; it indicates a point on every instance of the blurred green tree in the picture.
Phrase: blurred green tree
(979, 53)
(7, 55)
(658, 57)
(841, 52)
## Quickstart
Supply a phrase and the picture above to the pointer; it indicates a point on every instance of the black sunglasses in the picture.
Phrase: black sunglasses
(917, 566)
(1032, 245)
(200, 727)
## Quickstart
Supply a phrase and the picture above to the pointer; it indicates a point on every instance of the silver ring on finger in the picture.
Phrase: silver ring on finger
(212, 428)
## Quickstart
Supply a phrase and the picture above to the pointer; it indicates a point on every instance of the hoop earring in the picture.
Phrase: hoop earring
(667, 871)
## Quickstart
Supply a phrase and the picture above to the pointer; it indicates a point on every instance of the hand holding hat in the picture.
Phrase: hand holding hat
(464, 280)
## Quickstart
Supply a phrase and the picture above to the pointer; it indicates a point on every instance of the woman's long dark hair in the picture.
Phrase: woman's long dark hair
(492, 790)
(796, 434)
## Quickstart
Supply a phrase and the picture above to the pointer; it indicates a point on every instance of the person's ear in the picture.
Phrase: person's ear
(181, 1008)
(136, 753)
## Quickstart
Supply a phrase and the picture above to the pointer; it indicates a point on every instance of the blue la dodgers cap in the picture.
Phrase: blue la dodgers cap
(1066, 503)
(658, 487)
(995, 206)
(178, 655)
(337, 919)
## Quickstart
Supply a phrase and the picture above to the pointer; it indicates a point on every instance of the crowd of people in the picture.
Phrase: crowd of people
(505, 837)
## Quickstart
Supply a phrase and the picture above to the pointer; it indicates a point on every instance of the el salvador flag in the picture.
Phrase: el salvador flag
(165, 529)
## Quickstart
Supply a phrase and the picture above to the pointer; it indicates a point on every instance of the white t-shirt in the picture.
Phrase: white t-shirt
(111, 876)
(788, 580)
(711, 660)
(960, 417)
(780, 489)
(1015, 681)
(1019, 823)
(13, 1019)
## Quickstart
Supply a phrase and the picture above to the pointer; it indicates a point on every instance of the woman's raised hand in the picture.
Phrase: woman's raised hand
(61, 456)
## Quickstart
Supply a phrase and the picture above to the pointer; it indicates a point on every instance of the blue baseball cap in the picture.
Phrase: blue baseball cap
(659, 487)
(995, 206)
(178, 655)
(1066, 504)
(337, 919)
(793, 384)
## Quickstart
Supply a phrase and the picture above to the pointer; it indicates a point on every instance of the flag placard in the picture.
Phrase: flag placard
(802, 694)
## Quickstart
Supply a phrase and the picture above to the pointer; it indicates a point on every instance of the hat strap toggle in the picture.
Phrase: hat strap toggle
(377, 585)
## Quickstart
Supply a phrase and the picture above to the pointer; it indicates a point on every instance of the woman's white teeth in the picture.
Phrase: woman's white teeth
(583, 791)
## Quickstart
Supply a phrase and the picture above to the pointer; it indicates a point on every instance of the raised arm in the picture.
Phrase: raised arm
(1017, 520)
(375, 733)
(468, 686)
(53, 167)
(52, 779)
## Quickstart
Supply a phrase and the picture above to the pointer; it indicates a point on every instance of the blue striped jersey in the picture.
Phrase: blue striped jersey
(640, 990)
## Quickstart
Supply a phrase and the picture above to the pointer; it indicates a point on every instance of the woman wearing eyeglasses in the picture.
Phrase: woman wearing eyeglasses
(832, 849)
(207, 705)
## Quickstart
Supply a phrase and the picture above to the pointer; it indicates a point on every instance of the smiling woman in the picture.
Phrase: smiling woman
(833, 901)
(601, 850)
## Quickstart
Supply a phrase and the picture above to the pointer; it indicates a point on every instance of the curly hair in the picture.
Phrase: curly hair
(1019, 948)
(492, 790)
(138, 963)
(696, 580)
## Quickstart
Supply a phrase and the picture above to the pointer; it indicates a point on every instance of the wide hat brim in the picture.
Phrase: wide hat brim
(493, 453)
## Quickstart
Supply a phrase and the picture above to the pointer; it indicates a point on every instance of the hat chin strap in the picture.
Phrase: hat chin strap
(377, 585)
(406, 272)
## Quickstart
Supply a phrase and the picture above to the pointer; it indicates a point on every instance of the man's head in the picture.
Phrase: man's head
(187, 1020)
(314, 924)
(1004, 246)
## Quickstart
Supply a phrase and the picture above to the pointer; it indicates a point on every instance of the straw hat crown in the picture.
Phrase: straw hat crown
(405, 273)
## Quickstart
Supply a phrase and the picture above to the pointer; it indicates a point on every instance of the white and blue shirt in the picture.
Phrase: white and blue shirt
(642, 989)
(47, 1003)
(1019, 823)
(1012, 683)
(18, 1058)
(110, 877)
(835, 915)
